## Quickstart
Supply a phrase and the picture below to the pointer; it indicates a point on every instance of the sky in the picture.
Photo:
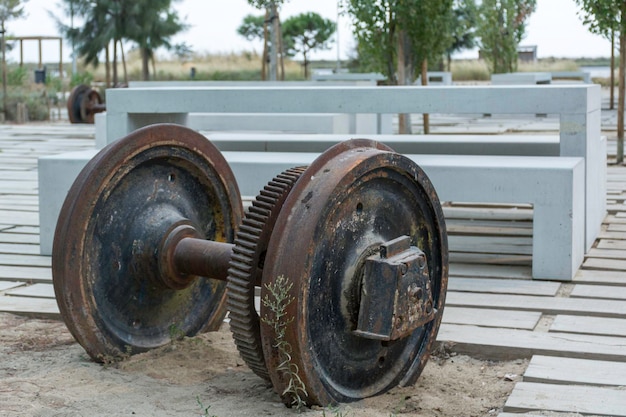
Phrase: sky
(554, 27)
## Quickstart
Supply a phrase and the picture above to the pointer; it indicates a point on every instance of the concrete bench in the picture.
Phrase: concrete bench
(521, 78)
(578, 108)
(514, 145)
(436, 78)
(554, 185)
(583, 76)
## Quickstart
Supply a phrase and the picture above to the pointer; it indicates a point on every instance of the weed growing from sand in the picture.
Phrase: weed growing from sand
(277, 302)
(203, 408)
(176, 333)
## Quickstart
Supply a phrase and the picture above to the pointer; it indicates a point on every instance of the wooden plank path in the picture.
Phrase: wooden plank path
(494, 310)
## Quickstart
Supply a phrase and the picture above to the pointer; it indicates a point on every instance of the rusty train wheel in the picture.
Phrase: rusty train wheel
(83, 103)
(355, 197)
(246, 267)
(105, 256)
(74, 103)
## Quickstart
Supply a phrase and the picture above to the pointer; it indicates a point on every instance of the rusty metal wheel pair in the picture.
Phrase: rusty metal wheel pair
(350, 255)
(83, 104)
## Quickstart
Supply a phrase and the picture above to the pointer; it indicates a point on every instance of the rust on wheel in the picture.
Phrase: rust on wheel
(328, 336)
(83, 103)
(112, 286)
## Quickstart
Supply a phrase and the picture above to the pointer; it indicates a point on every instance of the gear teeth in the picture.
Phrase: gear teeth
(250, 243)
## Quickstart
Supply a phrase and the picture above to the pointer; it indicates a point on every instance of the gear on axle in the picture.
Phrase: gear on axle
(246, 267)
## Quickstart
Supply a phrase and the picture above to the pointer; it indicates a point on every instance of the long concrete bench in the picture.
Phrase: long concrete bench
(513, 145)
(279, 122)
(578, 108)
(583, 76)
(517, 78)
(554, 185)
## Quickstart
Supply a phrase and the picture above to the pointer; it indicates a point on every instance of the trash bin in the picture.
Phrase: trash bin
(40, 76)
(192, 73)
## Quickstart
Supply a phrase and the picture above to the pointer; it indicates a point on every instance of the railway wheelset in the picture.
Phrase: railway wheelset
(349, 254)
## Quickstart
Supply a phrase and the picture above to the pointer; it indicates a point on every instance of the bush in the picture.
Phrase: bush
(17, 76)
(36, 104)
(79, 78)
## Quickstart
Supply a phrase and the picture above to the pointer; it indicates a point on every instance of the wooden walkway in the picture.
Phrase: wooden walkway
(574, 332)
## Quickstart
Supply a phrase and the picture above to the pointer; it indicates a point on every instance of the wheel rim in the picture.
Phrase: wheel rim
(116, 213)
(339, 212)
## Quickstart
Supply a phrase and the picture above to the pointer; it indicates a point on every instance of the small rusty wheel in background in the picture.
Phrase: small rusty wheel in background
(83, 103)
(362, 227)
(114, 272)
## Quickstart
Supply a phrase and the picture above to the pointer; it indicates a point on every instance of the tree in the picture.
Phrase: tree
(397, 36)
(273, 23)
(501, 27)
(605, 17)
(463, 27)
(255, 27)
(155, 24)
(150, 24)
(9, 9)
(307, 32)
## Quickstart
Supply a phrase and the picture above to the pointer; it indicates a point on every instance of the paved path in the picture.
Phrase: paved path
(574, 332)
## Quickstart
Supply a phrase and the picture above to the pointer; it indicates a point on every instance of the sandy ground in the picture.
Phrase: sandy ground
(43, 372)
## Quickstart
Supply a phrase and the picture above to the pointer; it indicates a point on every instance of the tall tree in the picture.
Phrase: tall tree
(463, 27)
(501, 27)
(396, 37)
(307, 32)
(150, 24)
(273, 23)
(9, 10)
(154, 25)
(606, 17)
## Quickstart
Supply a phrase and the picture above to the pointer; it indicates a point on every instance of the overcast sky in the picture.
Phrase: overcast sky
(555, 28)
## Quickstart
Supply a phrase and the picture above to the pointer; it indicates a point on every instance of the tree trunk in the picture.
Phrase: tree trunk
(5, 99)
(281, 48)
(124, 63)
(306, 66)
(612, 83)
(425, 82)
(145, 64)
(273, 50)
(265, 46)
(405, 71)
(115, 78)
(621, 88)
(107, 67)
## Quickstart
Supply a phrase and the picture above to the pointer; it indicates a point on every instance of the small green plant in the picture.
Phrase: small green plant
(203, 408)
(277, 302)
(176, 333)
(81, 78)
(17, 76)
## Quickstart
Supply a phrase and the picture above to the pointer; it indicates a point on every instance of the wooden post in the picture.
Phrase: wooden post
(21, 52)
(40, 60)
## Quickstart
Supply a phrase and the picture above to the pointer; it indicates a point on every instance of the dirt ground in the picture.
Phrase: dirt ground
(43, 372)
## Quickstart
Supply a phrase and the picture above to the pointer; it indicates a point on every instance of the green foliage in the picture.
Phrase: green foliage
(262, 4)
(203, 408)
(252, 27)
(36, 104)
(501, 27)
(601, 16)
(78, 78)
(463, 26)
(148, 23)
(379, 24)
(11, 9)
(277, 302)
(17, 76)
(307, 32)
